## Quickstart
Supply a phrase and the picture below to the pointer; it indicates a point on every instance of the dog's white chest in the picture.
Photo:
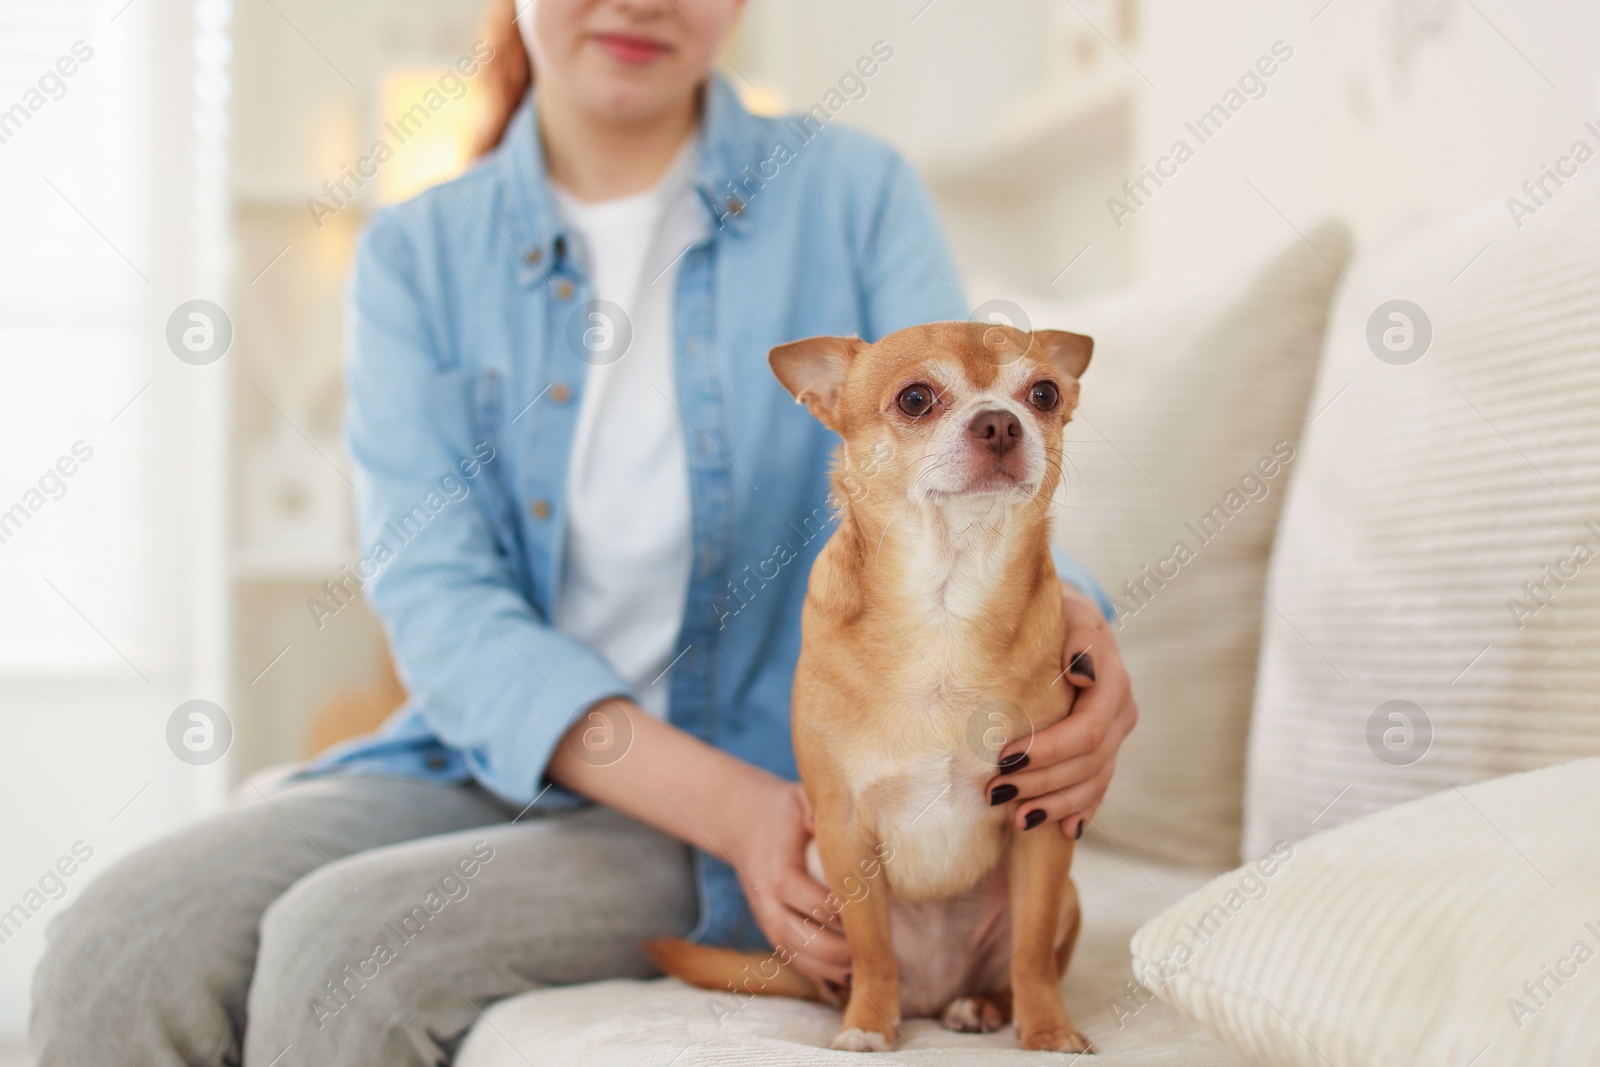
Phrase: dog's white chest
(941, 834)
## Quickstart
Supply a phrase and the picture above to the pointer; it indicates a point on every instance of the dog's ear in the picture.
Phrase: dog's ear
(813, 371)
(1067, 352)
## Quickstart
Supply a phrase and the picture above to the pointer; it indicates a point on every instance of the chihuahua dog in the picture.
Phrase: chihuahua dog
(931, 638)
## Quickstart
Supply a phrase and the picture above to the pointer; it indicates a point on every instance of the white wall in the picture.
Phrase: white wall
(956, 62)
(1391, 112)
(1388, 112)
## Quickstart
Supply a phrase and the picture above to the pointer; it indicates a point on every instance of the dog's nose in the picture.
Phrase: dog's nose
(997, 428)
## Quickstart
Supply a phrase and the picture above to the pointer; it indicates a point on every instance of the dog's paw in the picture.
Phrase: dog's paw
(972, 1015)
(1076, 1042)
(854, 1040)
(1057, 1039)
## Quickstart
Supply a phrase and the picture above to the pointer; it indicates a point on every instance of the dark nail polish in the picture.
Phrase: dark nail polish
(1014, 762)
(1082, 665)
(1033, 818)
(1078, 833)
(1002, 793)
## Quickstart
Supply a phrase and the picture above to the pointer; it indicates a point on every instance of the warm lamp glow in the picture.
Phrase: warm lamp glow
(760, 100)
(427, 117)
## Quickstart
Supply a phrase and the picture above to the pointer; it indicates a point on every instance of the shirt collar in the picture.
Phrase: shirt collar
(531, 219)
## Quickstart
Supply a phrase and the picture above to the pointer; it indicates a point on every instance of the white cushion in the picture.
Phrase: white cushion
(628, 1023)
(1406, 937)
(1424, 497)
(1189, 391)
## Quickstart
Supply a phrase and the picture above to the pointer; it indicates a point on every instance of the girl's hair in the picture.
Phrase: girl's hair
(505, 78)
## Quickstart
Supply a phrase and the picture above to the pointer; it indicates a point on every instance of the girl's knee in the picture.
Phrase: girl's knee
(319, 955)
(126, 973)
(337, 976)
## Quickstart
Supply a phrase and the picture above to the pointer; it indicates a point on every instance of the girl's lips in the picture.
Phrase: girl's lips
(626, 48)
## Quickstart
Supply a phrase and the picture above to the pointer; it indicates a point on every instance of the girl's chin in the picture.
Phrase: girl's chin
(626, 100)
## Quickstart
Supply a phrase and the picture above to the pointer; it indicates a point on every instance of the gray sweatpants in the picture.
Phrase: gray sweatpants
(347, 921)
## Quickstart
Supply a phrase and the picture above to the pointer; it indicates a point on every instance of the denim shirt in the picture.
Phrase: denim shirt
(468, 306)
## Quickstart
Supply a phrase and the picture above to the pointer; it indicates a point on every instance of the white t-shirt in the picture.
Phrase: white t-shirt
(629, 552)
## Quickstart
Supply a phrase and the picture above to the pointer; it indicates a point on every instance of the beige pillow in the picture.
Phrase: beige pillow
(1191, 416)
(1409, 645)
(1462, 930)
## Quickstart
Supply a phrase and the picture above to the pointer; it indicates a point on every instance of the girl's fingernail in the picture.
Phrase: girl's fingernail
(1014, 762)
(1081, 664)
(1033, 818)
(1002, 793)
(1078, 833)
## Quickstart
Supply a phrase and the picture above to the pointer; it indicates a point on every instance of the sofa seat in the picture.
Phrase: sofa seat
(628, 1023)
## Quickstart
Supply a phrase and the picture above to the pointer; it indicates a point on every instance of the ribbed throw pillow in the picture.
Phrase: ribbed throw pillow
(1177, 462)
(1434, 599)
(1462, 930)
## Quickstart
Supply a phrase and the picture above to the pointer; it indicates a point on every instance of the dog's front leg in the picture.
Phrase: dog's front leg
(854, 866)
(1044, 912)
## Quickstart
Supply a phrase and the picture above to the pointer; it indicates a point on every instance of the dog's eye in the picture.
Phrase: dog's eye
(1044, 395)
(916, 400)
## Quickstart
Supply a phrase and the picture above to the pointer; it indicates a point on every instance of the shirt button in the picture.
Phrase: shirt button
(735, 206)
(534, 255)
(563, 289)
(560, 393)
(540, 509)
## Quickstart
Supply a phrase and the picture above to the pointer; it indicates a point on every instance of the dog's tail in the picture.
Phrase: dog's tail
(724, 970)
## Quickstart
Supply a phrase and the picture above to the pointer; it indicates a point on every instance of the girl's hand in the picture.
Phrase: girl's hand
(790, 906)
(1061, 772)
(715, 801)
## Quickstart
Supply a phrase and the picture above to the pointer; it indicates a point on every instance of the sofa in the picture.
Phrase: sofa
(1348, 506)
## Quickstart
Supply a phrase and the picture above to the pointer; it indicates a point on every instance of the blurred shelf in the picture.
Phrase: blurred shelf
(257, 564)
(261, 190)
(1053, 130)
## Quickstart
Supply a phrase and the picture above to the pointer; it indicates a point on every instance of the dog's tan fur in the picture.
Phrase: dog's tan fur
(932, 637)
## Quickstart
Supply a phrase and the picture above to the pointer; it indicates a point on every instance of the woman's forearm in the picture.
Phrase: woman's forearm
(662, 776)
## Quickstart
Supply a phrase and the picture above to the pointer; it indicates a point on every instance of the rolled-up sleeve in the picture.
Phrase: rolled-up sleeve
(487, 672)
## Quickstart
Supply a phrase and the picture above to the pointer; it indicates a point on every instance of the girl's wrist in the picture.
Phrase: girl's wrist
(749, 801)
